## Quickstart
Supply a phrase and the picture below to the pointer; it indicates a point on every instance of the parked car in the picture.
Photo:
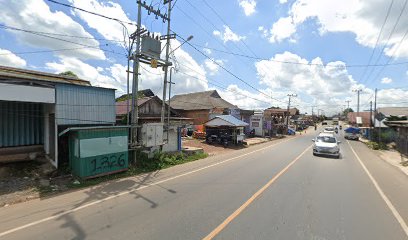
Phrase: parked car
(291, 132)
(326, 144)
(352, 133)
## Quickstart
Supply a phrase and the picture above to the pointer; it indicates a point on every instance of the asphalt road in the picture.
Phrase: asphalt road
(277, 190)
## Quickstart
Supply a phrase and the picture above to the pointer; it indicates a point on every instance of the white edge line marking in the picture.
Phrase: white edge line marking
(133, 190)
(382, 194)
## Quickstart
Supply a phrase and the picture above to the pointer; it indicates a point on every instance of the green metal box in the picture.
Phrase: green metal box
(94, 152)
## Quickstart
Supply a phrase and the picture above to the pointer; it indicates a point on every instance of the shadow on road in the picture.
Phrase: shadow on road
(104, 191)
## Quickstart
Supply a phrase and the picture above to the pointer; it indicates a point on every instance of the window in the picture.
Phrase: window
(255, 124)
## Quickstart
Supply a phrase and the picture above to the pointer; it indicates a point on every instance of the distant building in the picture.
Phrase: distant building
(201, 106)
(36, 106)
(401, 138)
(361, 119)
(150, 107)
(382, 113)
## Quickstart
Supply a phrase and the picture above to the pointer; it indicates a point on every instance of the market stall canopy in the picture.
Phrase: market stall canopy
(225, 120)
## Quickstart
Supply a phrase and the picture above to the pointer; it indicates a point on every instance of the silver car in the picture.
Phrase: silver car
(326, 144)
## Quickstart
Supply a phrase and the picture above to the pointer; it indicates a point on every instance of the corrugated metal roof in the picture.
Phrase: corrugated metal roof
(121, 107)
(200, 100)
(393, 111)
(227, 120)
(10, 73)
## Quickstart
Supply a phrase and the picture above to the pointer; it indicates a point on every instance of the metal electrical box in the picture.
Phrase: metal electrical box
(97, 152)
(151, 47)
(152, 134)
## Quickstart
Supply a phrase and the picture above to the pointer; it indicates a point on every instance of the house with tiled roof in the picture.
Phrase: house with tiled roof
(201, 106)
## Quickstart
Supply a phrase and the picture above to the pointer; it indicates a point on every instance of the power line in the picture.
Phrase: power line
(228, 71)
(298, 63)
(392, 55)
(93, 13)
(389, 37)
(222, 20)
(42, 51)
(59, 39)
(378, 39)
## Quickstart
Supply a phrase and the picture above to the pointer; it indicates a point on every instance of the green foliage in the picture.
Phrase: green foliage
(347, 110)
(377, 146)
(68, 74)
(164, 160)
(125, 97)
(396, 118)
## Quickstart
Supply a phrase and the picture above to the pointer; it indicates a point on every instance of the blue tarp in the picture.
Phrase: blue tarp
(352, 130)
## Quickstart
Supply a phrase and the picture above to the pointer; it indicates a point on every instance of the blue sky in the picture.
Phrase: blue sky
(317, 49)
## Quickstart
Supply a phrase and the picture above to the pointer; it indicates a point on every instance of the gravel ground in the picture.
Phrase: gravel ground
(213, 149)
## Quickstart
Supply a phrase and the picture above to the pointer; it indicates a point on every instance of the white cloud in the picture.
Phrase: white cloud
(248, 100)
(386, 80)
(191, 77)
(248, 6)
(228, 35)
(263, 31)
(282, 29)
(313, 80)
(283, 1)
(7, 58)
(363, 18)
(36, 15)
(107, 28)
(392, 97)
(212, 66)
(84, 71)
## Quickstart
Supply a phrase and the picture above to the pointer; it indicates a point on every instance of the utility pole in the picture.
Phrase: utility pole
(375, 114)
(166, 61)
(135, 86)
(375, 101)
(358, 99)
(168, 106)
(371, 122)
(348, 103)
(287, 119)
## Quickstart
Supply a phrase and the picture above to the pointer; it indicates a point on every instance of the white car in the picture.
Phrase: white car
(326, 144)
(329, 130)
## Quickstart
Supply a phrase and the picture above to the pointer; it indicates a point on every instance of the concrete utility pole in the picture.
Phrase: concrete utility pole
(166, 67)
(287, 119)
(348, 103)
(135, 87)
(371, 120)
(358, 99)
(168, 106)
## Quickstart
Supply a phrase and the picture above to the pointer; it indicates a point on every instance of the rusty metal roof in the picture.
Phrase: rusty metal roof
(10, 73)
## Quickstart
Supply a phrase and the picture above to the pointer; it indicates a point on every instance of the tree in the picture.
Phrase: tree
(68, 74)
(347, 110)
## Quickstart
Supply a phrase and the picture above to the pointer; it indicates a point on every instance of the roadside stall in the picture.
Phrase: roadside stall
(225, 129)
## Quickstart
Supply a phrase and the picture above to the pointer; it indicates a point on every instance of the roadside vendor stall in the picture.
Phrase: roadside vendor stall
(225, 129)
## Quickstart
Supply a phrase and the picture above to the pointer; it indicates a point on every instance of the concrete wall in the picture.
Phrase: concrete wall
(172, 144)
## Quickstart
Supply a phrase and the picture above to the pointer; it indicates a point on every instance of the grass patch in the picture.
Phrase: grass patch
(377, 146)
(143, 165)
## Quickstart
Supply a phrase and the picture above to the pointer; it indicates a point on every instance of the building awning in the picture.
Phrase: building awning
(22, 93)
(225, 121)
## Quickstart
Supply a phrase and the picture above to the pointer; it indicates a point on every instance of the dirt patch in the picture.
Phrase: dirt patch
(211, 149)
(22, 181)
